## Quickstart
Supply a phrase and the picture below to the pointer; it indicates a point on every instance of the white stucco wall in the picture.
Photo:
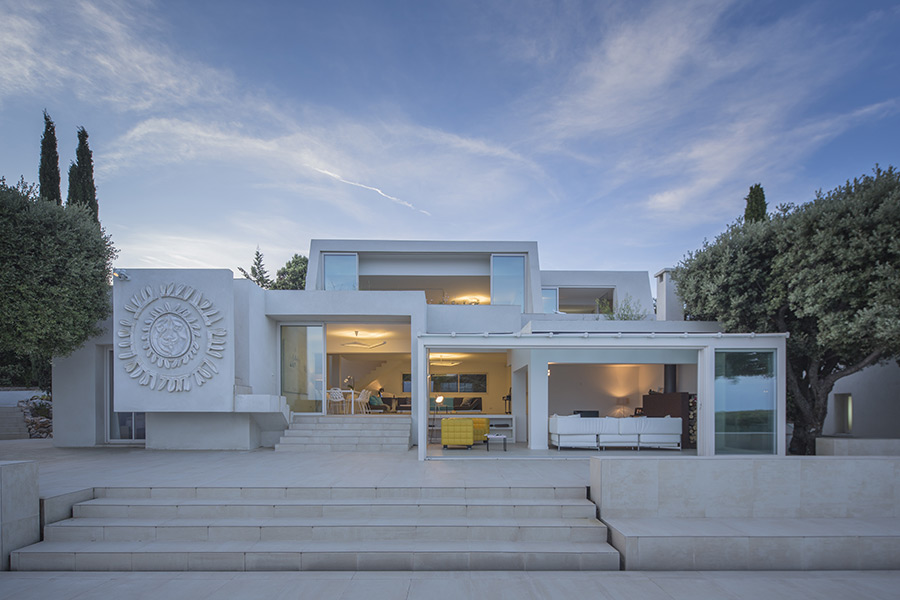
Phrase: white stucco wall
(201, 431)
(79, 392)
(876, 402)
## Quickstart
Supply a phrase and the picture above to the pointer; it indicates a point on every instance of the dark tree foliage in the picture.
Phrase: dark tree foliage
(55, 267)
(827, 272)
(48, 172)
(755, 209)
(82, 191)
(292, 276)
(258, 273)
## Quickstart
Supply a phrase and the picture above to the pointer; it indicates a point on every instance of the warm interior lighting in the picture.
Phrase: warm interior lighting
(366, 335)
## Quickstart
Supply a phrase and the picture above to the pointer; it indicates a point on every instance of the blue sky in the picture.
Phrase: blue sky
(618, 135)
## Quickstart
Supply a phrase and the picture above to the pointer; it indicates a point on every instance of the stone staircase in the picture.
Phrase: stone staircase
(12, 423)
(338, 529)
(347, 433)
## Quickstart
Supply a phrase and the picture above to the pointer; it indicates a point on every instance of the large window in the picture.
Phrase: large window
(340, 272)
(745, 402)
(508, 280)
(303, 367)
(452, 383)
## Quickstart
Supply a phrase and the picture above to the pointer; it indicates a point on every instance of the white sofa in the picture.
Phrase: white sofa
(610, 432)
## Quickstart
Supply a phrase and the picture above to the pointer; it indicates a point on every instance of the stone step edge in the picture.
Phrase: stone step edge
(343, 492)
(336, 502)
(323, 522)
(355, 546)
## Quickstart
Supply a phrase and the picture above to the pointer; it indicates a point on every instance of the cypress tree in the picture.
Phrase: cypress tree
(756, 204)
(82, 190)
(48, 172)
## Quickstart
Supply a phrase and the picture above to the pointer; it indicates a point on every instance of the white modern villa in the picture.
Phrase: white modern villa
(195, 359)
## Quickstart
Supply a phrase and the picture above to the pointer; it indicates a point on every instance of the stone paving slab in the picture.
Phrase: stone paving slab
(424, 585)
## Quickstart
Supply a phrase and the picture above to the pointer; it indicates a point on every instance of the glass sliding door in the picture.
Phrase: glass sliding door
(745, 402)
(508, 280)
(303, 367)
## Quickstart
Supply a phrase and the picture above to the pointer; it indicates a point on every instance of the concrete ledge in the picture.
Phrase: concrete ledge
(850, 446)
(756, 544)
(19, 508)
(742, 487)
(742, 513)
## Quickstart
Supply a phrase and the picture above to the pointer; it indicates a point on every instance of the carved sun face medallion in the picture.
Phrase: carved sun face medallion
(169, 342)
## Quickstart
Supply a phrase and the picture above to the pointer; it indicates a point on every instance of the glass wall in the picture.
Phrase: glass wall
(745, 402)
(549, 296)
(508, 280)
(303, 367)
(340, 272)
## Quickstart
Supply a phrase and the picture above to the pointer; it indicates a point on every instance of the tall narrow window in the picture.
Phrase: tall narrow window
(550, 298)
(508, 280)
(303, 367)
(340, 272)
(745, 402)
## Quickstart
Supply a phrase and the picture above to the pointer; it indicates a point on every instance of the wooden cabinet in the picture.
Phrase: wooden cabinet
(673, 405)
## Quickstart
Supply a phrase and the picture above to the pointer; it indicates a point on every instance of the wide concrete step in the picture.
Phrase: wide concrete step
(315, 555)
(314, 447)
(349, 427)
(347, 433)
(457, 493)
(367, 419)
(344, 439)
(359, 508)
(14, 436)
(437, 529)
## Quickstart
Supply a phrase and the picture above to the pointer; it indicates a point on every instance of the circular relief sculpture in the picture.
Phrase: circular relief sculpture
(169, 342)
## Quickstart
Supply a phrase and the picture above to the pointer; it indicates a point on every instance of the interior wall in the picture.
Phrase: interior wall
(498, 379)
(687, 378)
(599, 387)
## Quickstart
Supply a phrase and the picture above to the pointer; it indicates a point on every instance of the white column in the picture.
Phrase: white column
(419, 400)
(781, 400)
(538, 401)
(706, 402)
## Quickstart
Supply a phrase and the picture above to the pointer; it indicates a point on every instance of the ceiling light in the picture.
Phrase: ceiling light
(358, 344)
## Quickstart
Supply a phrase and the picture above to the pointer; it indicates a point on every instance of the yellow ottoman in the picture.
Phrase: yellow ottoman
(481, 427)
(457, 432)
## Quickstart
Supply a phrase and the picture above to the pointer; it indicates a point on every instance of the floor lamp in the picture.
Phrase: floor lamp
(437, 403)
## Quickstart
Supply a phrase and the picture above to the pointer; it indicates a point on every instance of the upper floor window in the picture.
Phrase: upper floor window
(508, 280)
(550, 298)
(340, 272)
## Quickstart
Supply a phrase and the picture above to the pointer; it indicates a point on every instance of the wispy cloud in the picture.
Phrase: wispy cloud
(99, 50)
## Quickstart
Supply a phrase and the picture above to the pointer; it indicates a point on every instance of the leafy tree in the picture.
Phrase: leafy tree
(258, 273)
(55, 266)
(628, 309)
(827, 272)
(755, 209)
(292, 276)
(48, 172)
(82, 191)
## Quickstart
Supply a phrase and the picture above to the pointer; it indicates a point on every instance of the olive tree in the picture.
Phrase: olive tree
(55, 267)
(827, 272)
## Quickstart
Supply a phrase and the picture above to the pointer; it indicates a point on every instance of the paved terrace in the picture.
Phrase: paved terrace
(63, 470)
